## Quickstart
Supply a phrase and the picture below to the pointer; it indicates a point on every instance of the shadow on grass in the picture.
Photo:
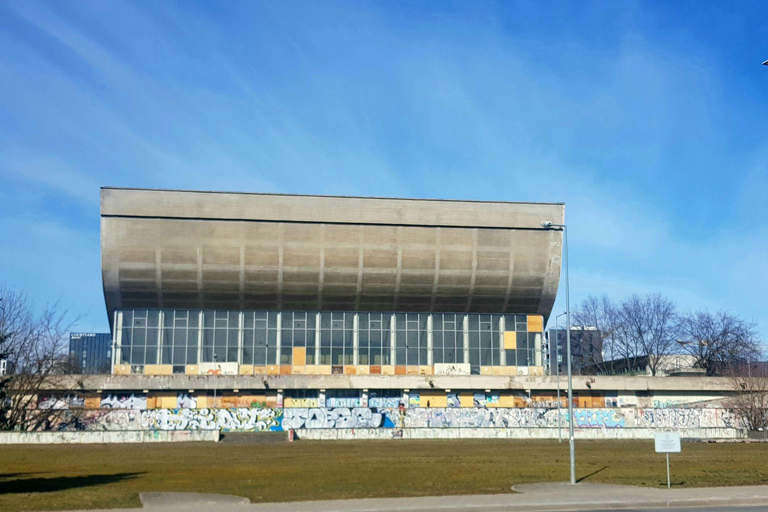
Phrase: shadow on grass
(58, 483)
(591, 474)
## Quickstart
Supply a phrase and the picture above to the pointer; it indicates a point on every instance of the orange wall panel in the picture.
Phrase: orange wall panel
(299, 356)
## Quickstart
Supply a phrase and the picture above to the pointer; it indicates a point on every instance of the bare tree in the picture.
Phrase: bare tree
(648, 327)
(719, 341)
(34, 346)
(750, 386)
(601, 313)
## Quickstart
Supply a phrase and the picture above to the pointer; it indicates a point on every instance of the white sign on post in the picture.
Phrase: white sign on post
(667, 442)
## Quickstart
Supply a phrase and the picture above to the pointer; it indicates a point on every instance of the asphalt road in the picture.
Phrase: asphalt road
(685, 509)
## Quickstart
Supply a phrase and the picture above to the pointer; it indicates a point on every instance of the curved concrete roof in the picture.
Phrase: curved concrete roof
(183, 249)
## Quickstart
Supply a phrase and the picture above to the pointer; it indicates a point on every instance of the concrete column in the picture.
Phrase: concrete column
(392, 339)
(356, 339)
(117, 345)
(280, 395)
(405, 398)
(199, 338)
(537, 346)
(321, 398)
(364, 398)
(317, 338)
(279, 336)
(161, 336)
(240, 335)
(430, 344)
(502, 328)
(465, 326)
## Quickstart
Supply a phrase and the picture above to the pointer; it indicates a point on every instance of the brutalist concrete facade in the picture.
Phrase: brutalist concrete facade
(179, 249)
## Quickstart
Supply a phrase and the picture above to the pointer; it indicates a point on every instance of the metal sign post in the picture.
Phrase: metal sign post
(667, 442)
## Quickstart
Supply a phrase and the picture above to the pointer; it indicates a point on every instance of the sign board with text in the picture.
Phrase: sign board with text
(667, 442)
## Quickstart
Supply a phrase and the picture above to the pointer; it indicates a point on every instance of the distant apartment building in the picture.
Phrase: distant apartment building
(91, 352)
(586, 349)
(666, 365)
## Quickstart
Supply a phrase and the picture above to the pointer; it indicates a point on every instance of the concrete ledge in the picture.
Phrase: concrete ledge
(334, 434)
(108, 437)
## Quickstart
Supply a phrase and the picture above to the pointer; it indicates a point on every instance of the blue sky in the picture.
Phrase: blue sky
(649, 119)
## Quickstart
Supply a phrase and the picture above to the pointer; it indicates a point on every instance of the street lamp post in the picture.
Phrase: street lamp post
(571, 448)
(214, 380)
(557, 374)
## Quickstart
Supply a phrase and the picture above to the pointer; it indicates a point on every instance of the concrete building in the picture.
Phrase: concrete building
(230, 283)
(91, 352)
(586, 350)
(343, 317)
(666, 365)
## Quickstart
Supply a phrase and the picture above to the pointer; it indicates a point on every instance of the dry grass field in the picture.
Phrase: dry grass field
(56, 477)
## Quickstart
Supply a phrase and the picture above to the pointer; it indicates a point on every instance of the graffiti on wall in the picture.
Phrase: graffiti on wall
(184, 401)
(261, 419)
(123, 401)
(342, 401)
(61, 402)
(257, 419)
(339, 417)
(384, 401)
(99, 420)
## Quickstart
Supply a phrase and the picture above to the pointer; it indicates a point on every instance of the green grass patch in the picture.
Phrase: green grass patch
(61, 477)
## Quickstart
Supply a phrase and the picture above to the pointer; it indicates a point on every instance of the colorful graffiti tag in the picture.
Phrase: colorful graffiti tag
(256, 419)
(263, 419)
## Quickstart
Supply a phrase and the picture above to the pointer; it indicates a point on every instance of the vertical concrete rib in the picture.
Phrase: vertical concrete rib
(158, 275)
(512, 241)
(280, 246)
(321, 278)
(471, 292)
(399, 268)
(200, 301)
(436, 280)
(242, 276)
(359, 267)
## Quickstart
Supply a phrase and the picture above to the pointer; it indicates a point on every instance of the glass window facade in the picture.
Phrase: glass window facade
(262, 338)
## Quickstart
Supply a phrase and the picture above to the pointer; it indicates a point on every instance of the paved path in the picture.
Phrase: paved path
(527, 498)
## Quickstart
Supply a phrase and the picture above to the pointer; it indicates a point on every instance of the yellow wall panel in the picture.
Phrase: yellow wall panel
(166, 401)
(411, 370)
(299, 370)
(465, 399)
(122, 369)
(425, 370)
(350, 369)
(324, 369)
(192, 369)
(535, 323)
(387, 370)
(433, 399)
(158, 369)
(363, 370)
(510, 340)
(246, 369)
(486, 370)
(536, 370)
(285, 369)
(299, 356)
(273, 370)
(259, 370)
(92, 402)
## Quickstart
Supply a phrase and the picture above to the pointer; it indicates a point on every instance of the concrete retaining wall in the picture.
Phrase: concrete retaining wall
(509, 433)
(125, 436)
